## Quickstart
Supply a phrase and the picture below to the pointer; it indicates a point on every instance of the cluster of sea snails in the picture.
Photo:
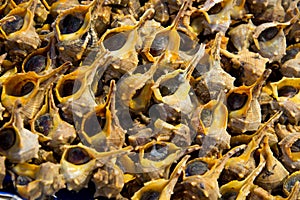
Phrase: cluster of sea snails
(157, 99)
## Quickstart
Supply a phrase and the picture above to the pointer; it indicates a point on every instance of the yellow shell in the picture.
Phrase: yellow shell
(204, 186)
(74, 31)
(78, 162)
(286, 93)
(290, 158)
(19, 144)
(74, 90)
(286, 88)
(47, 179)
(243, 105)
(241, 189)
(177, 96)
(274, 173)
(100, 127)
(291, 182)
(29, 89)
(38, 61)
(165, 41)
(121, 43)
(213, 121)
(49, 125)
(21, 39)
(161, 188)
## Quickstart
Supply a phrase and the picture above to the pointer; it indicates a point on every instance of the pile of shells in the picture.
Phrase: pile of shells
(157, 99)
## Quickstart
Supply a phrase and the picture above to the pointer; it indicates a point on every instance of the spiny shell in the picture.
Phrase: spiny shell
(17, 143)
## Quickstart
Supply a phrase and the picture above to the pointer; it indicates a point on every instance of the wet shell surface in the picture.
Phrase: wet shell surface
(153, 99)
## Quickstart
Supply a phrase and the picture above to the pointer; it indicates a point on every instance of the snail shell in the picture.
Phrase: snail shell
(161, 188)
(17, 143)
(240, 189)
(59, 6)
(177, 97)
(274, 173)
(241, 166)
(74, 90)
(213, 119)
(251, 64)
(38, 61)
(291, 182)
(108, 180)
(242, 41)
(78, 162)
(19, 33)
(74, 32)
(215, 78)
(286, 93)
(214, 18)
(291, 68)
(156, 157)
(100, 128)
(270, 40)
(121, 44)
(199, 166)
(29, 89)
(48, 124)
(260, 193)
(179, 134)
(290, 158)
(244, 108)
(47, 179)
(166, 40)
(203, 186)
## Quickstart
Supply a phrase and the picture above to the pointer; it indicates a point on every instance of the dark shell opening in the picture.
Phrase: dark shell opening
(36, 63)
(78, 156)
(296, 146)
(150, 195)
(14, 25)
(43, 124)
(157, 152)
(69, 87)
(268, 34)
(159, 44)
(190, 190)
(70, 24)
(170, 86)
(166, 113)
(115, 41)
(27, 88)
(7, 138)
(19, 89)
(23, 180)
(287, 91)
(236, 101)
(187, 44)
(196, 168)
(215, 9)
(229, 195)
(291, 181)
(94, 124)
